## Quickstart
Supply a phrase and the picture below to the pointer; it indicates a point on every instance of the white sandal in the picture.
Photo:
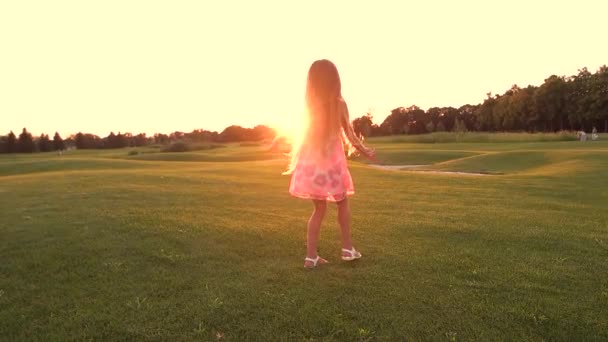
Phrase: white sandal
(314, 261)
(353, 254)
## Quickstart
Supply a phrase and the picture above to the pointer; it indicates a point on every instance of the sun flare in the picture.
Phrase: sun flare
(292, 129)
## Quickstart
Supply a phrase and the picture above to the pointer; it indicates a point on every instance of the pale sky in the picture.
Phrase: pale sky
(161, 66)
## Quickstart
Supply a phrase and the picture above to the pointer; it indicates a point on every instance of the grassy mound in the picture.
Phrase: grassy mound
(476, 137)
(118, 249)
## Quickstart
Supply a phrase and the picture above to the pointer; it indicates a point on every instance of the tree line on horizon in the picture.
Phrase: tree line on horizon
(26, 143)
(577, 102)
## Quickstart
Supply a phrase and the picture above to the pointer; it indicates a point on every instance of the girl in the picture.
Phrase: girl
(318, 165)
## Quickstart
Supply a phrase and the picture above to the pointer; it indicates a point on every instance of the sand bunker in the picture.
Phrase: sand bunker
(412, 168)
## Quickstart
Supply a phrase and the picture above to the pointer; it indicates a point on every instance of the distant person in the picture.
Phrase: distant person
(582, 136)
(594, 135)
(318, 167)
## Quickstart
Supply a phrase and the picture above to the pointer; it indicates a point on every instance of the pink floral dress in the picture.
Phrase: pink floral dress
(322, 178)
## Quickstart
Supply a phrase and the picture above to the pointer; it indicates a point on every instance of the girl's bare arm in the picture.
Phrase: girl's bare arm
(350, 133)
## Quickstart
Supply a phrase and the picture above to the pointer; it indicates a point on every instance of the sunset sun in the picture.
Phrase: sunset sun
(291, 128)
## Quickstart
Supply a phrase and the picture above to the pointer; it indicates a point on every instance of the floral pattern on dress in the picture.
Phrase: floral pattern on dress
(322, 178)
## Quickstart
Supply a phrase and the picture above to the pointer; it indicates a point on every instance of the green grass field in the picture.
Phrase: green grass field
(208, 245)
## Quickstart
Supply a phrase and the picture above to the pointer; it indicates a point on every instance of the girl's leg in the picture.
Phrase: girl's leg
(344, 221)
(314, 228)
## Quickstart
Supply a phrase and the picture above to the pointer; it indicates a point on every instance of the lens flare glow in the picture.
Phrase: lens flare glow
(292, 129)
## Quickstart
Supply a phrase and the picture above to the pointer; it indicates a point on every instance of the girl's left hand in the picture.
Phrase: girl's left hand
(371, 155)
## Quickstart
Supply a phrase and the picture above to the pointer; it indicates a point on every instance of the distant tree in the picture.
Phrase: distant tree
(213, 136)
(79, 140)
(25, 142)
(44, 143)
(261, 132)
(459, 126)
(58, 144)
(376, 130)
(579, 99)
(235, 133)
(445, 115)
(113, 142)
(549, 104)
(363, 125)
(11, 143)
(87, 141)
(434, 115)
(506, 113)
(140, 140)
(118, 140)
(450, 114)
(160, 138)
(466, 113)
(93, 141)
(561, 103)
(396, 122)
(599, 94)
(110, 141)
(576, 102)
(500, 112)
(3, 144)
(440, 127)
(69, 143)
(122, 140)
(484, 114)
(128, 140)
(201, 135)
(522, 105)
(175, 136)
(417, 120)
(197, 135)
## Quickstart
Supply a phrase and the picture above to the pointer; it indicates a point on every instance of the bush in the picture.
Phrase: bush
(249, 144)
(477, 137)
(182, 146)
(178, 146)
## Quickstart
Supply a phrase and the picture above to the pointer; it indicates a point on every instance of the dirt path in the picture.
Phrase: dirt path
(414, 167)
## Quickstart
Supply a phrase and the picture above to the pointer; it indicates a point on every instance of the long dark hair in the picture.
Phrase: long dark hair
(327, 113)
